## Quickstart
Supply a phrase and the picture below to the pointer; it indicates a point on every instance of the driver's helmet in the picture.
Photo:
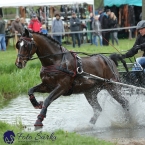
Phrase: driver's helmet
(140, 25)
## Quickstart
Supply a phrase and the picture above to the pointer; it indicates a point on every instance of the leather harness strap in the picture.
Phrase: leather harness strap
(60, 68)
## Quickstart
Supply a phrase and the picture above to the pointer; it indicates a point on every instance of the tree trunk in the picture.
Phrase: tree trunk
(143, 9)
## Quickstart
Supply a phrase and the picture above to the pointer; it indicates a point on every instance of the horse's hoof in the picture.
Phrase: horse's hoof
(38, 123)
(37, 127)
(93, 121)
(39, 106)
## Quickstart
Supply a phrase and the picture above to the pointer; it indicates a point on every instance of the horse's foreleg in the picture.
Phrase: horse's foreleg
(93, 101)
(39, 88)
(58, 91)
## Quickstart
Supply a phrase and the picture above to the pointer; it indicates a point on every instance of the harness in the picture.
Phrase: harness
(63, 67)
(60, 68)
(53, 68)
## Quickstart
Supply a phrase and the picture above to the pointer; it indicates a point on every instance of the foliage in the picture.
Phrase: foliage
(98, 3)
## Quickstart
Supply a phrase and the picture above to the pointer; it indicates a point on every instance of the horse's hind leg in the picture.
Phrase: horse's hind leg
(39, 88)
(115, 92)
(91, 97)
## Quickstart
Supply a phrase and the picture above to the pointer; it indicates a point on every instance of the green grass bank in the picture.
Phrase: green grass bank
(45, 138)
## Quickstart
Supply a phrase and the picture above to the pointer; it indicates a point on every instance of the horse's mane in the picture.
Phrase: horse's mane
(48, 37)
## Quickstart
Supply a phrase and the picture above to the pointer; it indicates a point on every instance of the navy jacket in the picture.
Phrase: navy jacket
(139, 40)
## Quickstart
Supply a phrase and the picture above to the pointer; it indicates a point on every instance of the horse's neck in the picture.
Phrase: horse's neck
(47, 54)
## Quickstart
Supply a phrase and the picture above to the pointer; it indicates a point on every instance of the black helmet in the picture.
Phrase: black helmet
(140, 25)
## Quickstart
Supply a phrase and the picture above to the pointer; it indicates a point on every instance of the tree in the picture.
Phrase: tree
(98, 4)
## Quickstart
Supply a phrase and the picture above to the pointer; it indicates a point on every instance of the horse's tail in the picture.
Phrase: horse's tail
(111, 65)
(117, 57)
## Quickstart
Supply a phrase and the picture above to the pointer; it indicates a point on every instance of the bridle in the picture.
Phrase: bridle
(30, 44)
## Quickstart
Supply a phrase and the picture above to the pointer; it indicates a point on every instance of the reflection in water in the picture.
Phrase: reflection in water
(73, 113)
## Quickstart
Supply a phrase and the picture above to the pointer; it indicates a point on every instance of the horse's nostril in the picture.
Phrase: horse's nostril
(18, 64)
(25, 61)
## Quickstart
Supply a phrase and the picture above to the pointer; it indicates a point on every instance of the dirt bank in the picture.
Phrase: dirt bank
(125, 141)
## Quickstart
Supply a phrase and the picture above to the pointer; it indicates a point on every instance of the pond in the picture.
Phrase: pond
(73, 113)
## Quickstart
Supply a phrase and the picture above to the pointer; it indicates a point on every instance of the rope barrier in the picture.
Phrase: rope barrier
(91, 31)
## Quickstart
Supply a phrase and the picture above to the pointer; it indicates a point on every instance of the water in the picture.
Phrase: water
(73, 113)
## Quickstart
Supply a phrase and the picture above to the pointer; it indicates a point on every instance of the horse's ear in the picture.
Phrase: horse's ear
(27, 32)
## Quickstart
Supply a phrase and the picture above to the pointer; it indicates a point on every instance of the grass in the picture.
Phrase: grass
(16, 81)
(124, 44)
(38, 138)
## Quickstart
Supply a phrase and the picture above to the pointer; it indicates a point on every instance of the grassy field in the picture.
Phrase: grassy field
(16, 81)
(45, 138)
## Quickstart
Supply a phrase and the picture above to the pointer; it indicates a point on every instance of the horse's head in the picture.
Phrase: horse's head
(26, 48)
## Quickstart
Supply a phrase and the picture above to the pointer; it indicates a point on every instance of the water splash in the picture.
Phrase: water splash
(73, 113)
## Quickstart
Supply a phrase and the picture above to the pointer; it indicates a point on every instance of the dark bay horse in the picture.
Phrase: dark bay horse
(62, 73)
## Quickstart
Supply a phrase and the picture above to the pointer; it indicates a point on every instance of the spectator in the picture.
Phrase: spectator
(17, 28)
(74, 27)
(43, 29)
(57, 27)
(35, 24)
(2, 34)
(105, 25)
(101, 14)
(96, 25)
(113, 24)
(23, 23)
(91, 20)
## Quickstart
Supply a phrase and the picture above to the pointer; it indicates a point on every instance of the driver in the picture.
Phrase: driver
(138, 45)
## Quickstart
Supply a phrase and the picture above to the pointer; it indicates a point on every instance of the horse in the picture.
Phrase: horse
(62, 73)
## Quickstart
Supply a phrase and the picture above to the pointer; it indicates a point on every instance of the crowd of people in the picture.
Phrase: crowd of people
(104, 20)
(98, 23)
(18, 26)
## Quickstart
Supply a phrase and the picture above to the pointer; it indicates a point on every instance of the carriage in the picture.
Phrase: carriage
(135, 75)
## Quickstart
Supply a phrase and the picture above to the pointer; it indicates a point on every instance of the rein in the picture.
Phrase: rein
(121, 59)
(88, 54)
(30, 42)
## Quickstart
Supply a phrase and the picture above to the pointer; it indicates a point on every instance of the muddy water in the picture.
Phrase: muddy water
(73, 113)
